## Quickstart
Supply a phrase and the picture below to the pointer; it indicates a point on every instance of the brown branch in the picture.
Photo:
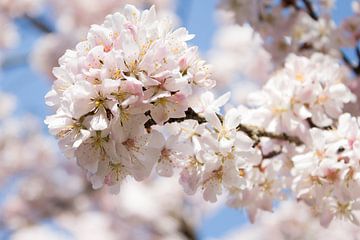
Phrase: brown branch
(254, 132)
(290, 3)
(187, 230)
(355, 69)
(271, 154)
(310, 10)
(39, 24)
(190, 114)
(313, 125)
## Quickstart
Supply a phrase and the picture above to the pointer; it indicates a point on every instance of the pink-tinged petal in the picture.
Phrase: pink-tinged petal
(132, 85)
(232, 118)
(340, 92)
(189, 180)
(131, 49)
(213, 119)
(304, 162)
(77, 99)
(225, 145)
(354, 219)
(318, 138)
(211, 188)
(164, 168)
(320, 119)
(181, 34)
(159, 114)
(94, 58)
(326, 217)
(52, 98)
(243, 141)
(82, 137)
(109, 86)
(99, 121)
(97, 179)
(115, 189)
(88, 157)
(131, 13)
(157, 140)
(251, 212)
(222, 100)
(302, 111)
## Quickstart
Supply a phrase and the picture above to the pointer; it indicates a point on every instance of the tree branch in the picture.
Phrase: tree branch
(254, 132)
(272, 154)
(39, 24)
(310, 10)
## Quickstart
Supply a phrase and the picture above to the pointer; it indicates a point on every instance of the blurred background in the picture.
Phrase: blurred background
(45, 196)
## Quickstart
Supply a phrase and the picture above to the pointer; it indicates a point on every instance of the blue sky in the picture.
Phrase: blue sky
(197, 15)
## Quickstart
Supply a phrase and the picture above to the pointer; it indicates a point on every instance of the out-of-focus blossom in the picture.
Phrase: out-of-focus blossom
(18, 8)
(286, 26)
(349, 28)
(10, 36)
(7, 105)
(9, 10)
(293, 221)
(305, 90)
(318, 35)
(237, 54)
(48, 50)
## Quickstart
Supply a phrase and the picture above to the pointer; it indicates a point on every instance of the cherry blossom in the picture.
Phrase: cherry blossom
(135, 97)
(58, 192)
(9, 10)
(231, 42)
(292, 221)
(131, 67)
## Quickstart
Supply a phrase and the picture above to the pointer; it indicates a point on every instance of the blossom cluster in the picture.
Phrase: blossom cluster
(72, 27)
(307, 92)
(38, 186)
(292, 221)
(289, 26)
(132, 70)
(327, 174)
(212, 156)
(303, 99)
(236, 55)
(134, 97)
